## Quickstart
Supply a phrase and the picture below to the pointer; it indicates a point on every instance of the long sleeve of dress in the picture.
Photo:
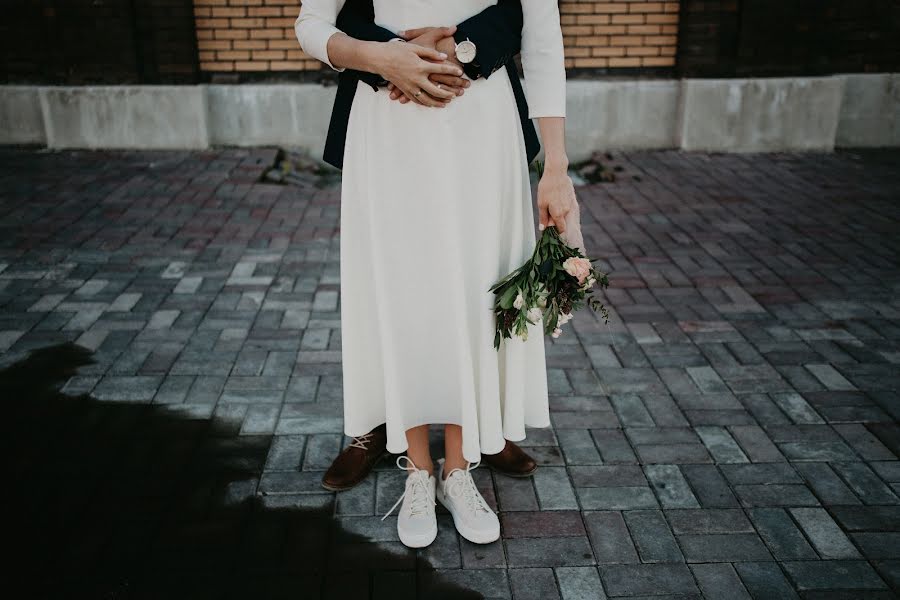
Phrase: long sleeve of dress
(543, 59)
(315, 24)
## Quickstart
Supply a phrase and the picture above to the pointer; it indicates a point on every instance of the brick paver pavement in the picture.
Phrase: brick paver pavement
(732, 433)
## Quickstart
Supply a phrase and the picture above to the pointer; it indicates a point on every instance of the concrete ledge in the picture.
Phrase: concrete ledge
(620, 115)
(724, 115)
(870, 111)
(760, 115)
(262, 115)
(151, 117)
(21, 121)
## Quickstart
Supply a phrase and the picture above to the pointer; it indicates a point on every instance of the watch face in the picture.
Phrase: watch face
(465, 51)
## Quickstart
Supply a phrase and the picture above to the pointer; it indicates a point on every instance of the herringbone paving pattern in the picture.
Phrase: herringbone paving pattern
(732, 433)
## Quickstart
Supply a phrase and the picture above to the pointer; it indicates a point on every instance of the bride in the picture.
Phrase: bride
(436, 206)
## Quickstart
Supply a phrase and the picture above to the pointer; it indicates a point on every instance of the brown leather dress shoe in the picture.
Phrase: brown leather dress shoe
(512, 461)
(356, 461)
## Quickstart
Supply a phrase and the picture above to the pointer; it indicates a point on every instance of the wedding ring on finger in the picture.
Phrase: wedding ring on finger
(417, 94)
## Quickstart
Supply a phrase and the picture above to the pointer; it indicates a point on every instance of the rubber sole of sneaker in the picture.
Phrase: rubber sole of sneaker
(476, 537)
(417, 541)
(335, 488)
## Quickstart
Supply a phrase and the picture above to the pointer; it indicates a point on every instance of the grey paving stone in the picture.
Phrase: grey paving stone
(775, 495)
(756, 444)
(663, 410)
(653, 579)
(673, 453)
(868, 518)
(670, 486)
(479, 556)
(762, 473)
(554, 489)
(826, 485)
(549, 552)
(490, 583)
(610, 538)
(707, 380)
(613, 447)
(708, 521)
(140, 388)
(652, 537)
(817, 451)
(719, 582)
(863, 442)
(865, 483)
(631, 410)
(721, 445)
(765, 581)
(834, 575)
(516, 494)
(579, 583)
(533, 584)
(542, 524)
(359, 500)
(260, 419)
(723, 548)
(321, 450)
(608, 476)
(878, 545)
(285, 452)
(781, 535)
(709, 486)
(594, 419)
(797, 408)
(615, 498)
(824, 534)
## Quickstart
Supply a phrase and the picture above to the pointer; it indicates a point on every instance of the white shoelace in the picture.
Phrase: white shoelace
(464, 487)
(417, 481)
(361, 441)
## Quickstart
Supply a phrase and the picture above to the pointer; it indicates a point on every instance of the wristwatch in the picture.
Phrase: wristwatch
(465, 51)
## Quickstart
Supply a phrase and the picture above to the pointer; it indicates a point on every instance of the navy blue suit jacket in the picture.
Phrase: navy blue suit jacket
(496, 32)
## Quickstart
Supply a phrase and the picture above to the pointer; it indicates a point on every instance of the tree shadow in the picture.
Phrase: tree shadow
(125, 500)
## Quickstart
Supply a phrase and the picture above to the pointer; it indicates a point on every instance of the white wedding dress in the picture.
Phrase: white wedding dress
(435, 207)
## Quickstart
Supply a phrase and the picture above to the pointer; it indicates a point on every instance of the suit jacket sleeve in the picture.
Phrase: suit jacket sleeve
(316, 23)
(543, 59)
(497, 34)
(357, 22)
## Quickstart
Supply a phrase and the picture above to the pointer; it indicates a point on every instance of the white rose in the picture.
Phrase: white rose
(534, 314)
(556, 332)
(564, 318)
(519, 301)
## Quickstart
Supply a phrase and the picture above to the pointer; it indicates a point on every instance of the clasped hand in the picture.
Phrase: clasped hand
(418, 72)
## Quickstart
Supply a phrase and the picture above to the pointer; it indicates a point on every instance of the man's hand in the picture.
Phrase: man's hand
(409, 66)
(440, 39)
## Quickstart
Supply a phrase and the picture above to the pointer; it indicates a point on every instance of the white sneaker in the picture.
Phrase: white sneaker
(475, 520)
(416, 523)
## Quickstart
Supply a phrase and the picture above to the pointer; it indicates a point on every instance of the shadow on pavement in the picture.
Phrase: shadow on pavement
(124, 500)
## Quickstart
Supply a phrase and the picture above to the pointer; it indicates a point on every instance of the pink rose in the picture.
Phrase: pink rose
(579, 268)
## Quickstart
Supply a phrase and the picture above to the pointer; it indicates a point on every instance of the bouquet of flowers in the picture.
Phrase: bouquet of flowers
(556, 281)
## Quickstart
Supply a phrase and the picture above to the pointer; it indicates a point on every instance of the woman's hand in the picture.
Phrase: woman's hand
(409, 67)
(555, 197)
(441, 39)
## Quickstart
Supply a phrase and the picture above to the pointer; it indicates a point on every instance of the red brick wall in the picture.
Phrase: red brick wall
(258, 35)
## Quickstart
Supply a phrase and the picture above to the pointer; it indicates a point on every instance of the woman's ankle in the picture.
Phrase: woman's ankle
(450, 464)
(422, 465)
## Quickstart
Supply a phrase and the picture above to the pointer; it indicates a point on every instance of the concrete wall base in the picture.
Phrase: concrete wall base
(723, 115)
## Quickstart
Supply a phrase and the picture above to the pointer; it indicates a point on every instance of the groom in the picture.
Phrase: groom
(496, 34)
